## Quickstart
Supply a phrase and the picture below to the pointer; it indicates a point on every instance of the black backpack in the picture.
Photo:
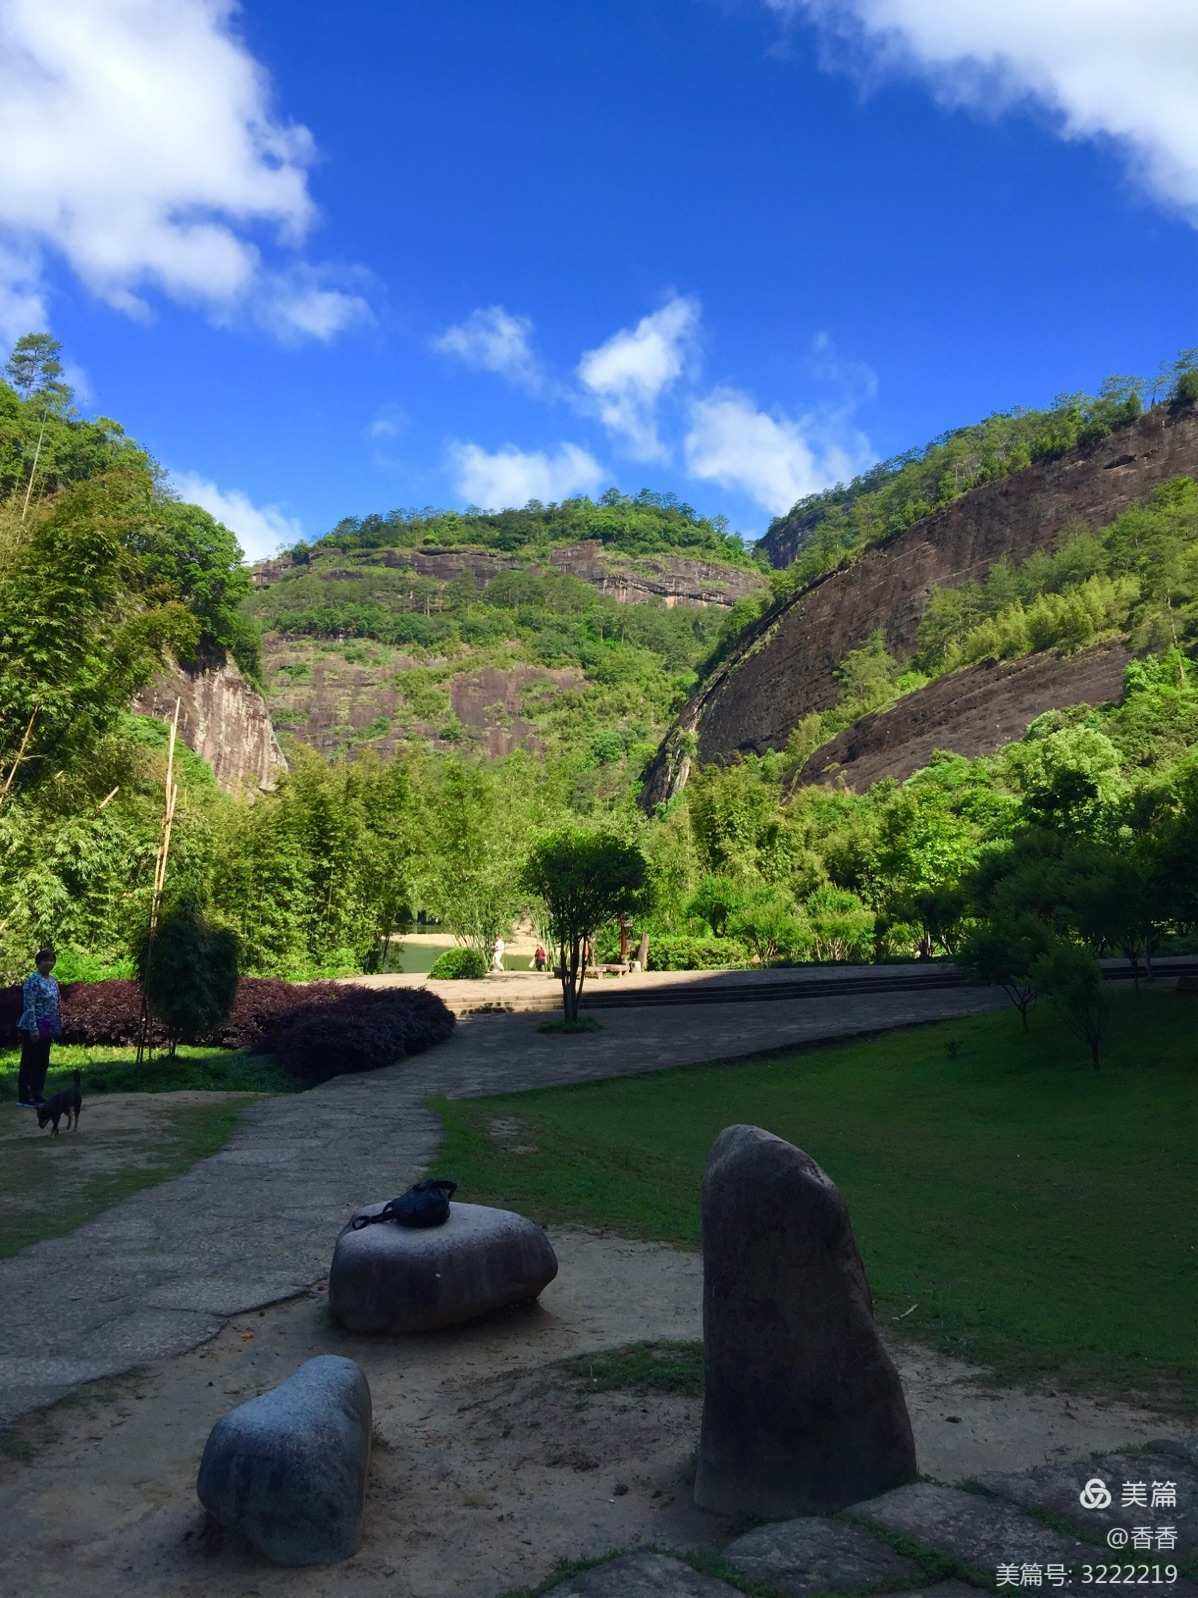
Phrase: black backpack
(425, 1204)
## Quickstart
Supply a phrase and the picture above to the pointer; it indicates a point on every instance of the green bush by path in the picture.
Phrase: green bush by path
(115, 1070)
(1037, 1215)
(458, 965)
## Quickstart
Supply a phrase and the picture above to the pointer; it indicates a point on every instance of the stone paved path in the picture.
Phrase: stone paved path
(974, 1534)
(162, 1271)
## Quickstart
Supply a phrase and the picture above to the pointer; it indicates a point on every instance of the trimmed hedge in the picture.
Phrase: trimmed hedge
(453, 964)
(317, 1029)
(363, 1029)
(671, 952)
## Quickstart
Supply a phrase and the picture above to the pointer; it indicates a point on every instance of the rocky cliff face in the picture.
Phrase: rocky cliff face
(971, 712)
(384, 699)
(784, 667)
(676, 579)
(224, 719)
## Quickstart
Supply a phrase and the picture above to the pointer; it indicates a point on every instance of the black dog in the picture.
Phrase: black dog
(67, 1101)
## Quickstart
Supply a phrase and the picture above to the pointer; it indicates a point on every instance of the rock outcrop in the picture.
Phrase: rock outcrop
(784, 666)
(628, 579)
(971, 712)
(224, 719)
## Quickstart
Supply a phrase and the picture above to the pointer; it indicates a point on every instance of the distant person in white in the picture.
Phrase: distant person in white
(497, 955)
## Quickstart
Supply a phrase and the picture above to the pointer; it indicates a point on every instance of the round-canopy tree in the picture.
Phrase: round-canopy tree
(585, 880)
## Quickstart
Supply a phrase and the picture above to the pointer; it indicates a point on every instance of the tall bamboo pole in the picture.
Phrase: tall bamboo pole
(170, 799)
(20, 755)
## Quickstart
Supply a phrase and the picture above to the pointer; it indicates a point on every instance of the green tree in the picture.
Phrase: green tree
(767, 920)
(470, 868)
(585, 880)
(1006, 953)
(35, 371)
(714, 901)
(1071, 979)
(188, 971)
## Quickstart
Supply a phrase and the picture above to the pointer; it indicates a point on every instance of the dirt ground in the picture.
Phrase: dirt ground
(50, 1184)
(491, 1461)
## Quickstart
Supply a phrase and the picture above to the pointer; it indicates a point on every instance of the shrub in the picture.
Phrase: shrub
(189, 974)
(458, 964)
(92, 1012)
(675, 952)
(362, 1029)
(263, 1003)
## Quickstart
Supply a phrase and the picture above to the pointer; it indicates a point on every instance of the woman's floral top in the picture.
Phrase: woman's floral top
(39, 997)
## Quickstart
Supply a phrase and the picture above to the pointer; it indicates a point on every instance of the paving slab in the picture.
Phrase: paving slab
(642, 1575)
(981, 1533)
(809, 1555)
(1160, 1467)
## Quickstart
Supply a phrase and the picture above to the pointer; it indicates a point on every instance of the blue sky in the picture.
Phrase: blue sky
(327, 262)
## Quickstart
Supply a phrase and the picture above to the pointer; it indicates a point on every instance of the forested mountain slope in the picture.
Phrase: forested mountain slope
(788, 669)
(573, 627)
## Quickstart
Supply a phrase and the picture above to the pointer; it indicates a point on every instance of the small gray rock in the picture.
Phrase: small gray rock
(390, 1278)
(803, 1410)
(642, 1575)
(796, 1557)
(287, 1470)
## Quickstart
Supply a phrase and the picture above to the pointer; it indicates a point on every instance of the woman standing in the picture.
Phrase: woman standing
(39, 1025)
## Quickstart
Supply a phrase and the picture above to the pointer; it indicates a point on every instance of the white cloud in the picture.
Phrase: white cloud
(511, 477)
(493, 340)
(300, 304)
(388, 422)
(1116, 69)
(627, 375)
(140, 141)
(260, 529)
(774, 458)
(22, 302)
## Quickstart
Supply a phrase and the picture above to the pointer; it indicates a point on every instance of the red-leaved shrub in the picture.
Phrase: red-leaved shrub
(316, 1029)
(360, 1029)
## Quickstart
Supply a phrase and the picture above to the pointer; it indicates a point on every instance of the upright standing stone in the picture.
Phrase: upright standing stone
(803, 1411)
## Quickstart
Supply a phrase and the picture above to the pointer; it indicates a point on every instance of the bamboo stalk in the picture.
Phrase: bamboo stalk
(171, 796)
(108, 798)
(20, 755)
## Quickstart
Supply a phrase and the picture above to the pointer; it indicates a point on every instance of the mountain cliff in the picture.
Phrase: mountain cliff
(785, 665)
(495, 633)
(223, 718)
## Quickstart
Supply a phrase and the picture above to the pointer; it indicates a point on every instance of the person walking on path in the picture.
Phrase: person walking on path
(497, 955)
(39, 1024)
(540, 959)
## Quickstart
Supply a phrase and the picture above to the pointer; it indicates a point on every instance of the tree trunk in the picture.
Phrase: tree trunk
(643, 951)
(623, 940)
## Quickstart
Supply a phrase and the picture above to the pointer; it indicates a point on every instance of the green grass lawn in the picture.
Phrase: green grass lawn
(115, 1070)
(1038, 1215)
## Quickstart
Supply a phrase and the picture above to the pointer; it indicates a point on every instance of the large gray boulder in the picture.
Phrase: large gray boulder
(287, 1470)
(803, 1410)
(389, 1278)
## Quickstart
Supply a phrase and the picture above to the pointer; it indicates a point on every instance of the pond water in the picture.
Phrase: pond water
(416, 958)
